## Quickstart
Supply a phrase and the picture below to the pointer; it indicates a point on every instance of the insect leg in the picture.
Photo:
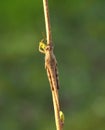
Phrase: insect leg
(50, 79)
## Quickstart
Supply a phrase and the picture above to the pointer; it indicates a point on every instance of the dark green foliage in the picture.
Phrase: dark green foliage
(78, 29)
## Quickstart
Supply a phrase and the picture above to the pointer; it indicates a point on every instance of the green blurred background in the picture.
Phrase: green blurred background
(78, 29)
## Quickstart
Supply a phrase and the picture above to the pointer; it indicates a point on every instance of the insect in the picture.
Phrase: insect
(52, 72)
(50, 64)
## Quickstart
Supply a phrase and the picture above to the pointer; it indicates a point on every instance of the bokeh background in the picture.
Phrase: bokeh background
(78, 29)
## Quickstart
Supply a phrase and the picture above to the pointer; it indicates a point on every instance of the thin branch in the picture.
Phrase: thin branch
(47, 22)
(56, 112)
(50, 63)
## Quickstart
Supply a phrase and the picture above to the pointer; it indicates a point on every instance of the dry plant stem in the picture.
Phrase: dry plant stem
(55, 91)
(56, 111)
(47, 22)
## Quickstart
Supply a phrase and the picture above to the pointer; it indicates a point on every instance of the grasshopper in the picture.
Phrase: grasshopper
(50, 64)
(52, 72)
